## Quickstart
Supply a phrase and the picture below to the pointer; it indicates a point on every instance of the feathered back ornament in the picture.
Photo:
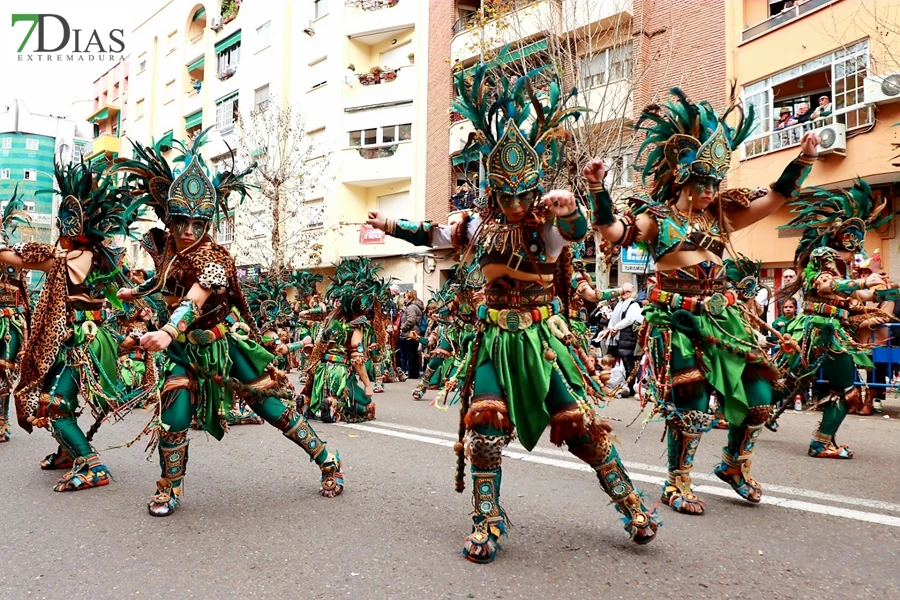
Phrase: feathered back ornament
(357, 286)
(14, 216)
(518, 130)
(303, 284)
(837, 219)
(743, 273)
(267, 302)
(93, 209)
(685, 139)
(185, 190)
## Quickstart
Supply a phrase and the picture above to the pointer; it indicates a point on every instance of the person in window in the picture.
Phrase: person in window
(783, 118)
(803, 115)
(823, 110)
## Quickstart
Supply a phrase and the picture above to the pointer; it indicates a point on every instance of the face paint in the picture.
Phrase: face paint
(699, 185)
(182, 226)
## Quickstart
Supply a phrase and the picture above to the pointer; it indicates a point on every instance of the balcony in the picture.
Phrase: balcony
(789, 137)
(378, 165)
(781, 19)
(610, 102)
(459, 134)
(577, 14)
(521, 24)
(193, 101)
(107, 111)
(104, 145)
(400, 85)
(374, 21)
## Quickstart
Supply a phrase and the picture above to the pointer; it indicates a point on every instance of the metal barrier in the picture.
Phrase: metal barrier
(886, 354)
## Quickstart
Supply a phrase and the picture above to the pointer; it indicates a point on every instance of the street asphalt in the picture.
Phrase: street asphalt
(252, 524)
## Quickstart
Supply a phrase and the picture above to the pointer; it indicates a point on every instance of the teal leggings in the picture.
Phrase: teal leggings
(838, 370)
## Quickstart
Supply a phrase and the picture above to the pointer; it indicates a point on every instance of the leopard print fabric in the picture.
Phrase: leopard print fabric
(49, 327)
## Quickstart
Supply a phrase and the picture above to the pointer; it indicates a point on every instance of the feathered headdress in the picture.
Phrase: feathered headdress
(519, 132)
(14, 216)
(186, 190)
(742, 273)
(837, 219)
(357, 286)
(93, 209)
(687, 139)
(267, 302)
(304, 283)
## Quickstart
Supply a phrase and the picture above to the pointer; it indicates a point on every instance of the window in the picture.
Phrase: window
(225, 231)
(606, 66)
(31, 144)
(7, 143)
(78, 152)
(389, 134)
(169, 92)
(139, 109)
(226, 114)
(405, 132)
(4, 173)
(797, 91)
(260, 223)
(261, 98)
(620, 172)
(355, 139)
(229, 58)
(315, 213)
(317, 72)
(173, 42)
(320, 8)
(115, 92)
(398, 56)
(30, 175)
(370, 137)
(264, 35)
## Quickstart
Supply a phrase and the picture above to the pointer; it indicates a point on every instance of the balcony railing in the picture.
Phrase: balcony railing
(372, 4)
(378, 151)
(377, 76)
(789, 137)
(469, 21)
(775, 21)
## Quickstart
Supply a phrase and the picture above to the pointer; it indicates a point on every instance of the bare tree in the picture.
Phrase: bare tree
(280, 226)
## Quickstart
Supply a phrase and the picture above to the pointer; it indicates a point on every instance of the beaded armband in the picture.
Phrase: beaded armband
(793, 176)
(182, 318)
(847, 286)
(601, 205)
(417, 234)
(573, 226)
(630, 231)
(609, 294)
(357, 357)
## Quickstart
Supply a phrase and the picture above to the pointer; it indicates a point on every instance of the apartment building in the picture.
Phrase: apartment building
(357, 71)
(789, 58)
(621, 55)
(29, 145)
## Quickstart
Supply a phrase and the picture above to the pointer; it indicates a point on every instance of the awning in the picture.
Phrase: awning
(196, 64)
(199, 14)
(193, 120)
(166, 140)
(99, 116)
(227, 97)
(231, 40)
(514, 55)
(463, 158)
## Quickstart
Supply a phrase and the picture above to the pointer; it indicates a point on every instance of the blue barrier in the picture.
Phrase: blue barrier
(886, 354)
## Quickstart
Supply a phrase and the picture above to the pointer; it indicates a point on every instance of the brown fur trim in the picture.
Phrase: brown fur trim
(490, 411)
(568, 425)
(758, 415)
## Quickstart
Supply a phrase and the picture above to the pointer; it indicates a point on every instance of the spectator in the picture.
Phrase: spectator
(823, 110)
(409, 331)
(463, 197)
(610, 366)
(802, 116)
(783, 117)
(788, 312)
(788, 277)
(625, 317)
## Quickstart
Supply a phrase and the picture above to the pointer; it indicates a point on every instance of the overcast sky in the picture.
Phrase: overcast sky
(61, 88)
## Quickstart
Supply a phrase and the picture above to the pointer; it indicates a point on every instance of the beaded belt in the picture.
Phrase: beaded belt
(335, 358)
(80, 316)
(513, 298)
(8, 311)
(693, 287)
(714, 304)
(517, 320)
(827, 310)
(204, 337)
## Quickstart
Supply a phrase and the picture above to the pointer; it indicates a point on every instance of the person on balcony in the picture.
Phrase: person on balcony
(524, 373)
(785, 115)
(696, 338)
(823, 110)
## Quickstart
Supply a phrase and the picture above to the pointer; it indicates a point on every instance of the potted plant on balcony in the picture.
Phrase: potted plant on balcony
(229, 10)
(197, 84)
(376, 73)
(226, 73)
(389, 74)
(412, 58)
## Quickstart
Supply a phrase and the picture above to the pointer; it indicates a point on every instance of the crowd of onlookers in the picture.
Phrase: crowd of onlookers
(788, 118)
(407, 315)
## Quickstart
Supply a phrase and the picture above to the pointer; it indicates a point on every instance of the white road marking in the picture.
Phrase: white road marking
(393, 430)
(769, 487)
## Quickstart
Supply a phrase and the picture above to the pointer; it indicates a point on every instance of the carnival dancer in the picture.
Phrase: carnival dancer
(14, 310)
(338, 363)
(438, 343)
(525, 373)
(211, 342)
(694, 335)
(834, 225)
(73, 350)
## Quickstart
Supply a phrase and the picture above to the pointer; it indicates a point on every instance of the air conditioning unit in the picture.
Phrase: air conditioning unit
(216, 23)
(881, 89)
(833, 139)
